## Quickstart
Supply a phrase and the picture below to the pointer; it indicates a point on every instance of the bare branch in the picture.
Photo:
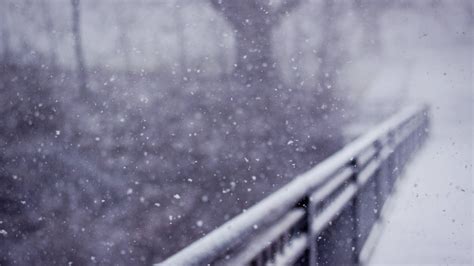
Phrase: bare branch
(286, 7)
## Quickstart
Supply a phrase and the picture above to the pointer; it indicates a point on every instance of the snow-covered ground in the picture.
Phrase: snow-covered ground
(431, 221)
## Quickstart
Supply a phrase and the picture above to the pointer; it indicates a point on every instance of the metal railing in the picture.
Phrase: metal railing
(324, 216)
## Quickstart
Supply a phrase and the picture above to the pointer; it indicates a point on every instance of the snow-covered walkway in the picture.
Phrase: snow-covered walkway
(431, 221)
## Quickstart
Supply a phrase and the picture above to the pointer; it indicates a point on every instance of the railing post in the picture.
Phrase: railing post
(382, 177)
(312, 237)
(389, 178)
(305, 204)
(355, 215)
(335, 245)
(395, 160)
(368, 201)
(378, 178)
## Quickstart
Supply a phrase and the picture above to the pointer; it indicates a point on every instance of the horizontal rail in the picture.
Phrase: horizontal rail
(265, 239)
(325, 217)
(324, 192)
(292, 252)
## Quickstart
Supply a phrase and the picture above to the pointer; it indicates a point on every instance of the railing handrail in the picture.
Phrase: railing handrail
(236, 230)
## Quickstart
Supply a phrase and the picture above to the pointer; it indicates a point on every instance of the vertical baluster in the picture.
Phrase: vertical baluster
(281, 243)
(263, 257)
(304, 228)
(268, 254)
(378, 178)
(391, 162)
(335, 244)
(355, 215)
(313, 210)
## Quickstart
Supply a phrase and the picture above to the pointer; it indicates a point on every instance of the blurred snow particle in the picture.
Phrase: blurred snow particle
(3, 232)
(129, 191)
(199, 223)
(144, 99)
(177, 196)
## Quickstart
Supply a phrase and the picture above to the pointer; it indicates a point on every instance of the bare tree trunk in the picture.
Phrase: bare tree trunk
(6, 51)
(255, 62)
(126, 50)
(369, 13)
(253, 23)
(76, 31)
(181, 39)
(49, 27)
(123, 21)
(328, 53)
(222, 58)
(298, 53)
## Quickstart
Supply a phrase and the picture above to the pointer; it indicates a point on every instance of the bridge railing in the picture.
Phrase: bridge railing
(323, 216)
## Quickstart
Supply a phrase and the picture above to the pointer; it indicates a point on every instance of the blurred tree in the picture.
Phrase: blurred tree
(76, 32)
(50, 31)
(298, 38)
(124, 22)
(329, 53)
(222, 57)
(369, 13)
(253, 23)
(5, 32)
(180, 25)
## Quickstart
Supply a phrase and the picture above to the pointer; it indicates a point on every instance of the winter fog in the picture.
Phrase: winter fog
(131, 128)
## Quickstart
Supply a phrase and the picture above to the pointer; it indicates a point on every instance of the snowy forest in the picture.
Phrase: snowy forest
(131, 128)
